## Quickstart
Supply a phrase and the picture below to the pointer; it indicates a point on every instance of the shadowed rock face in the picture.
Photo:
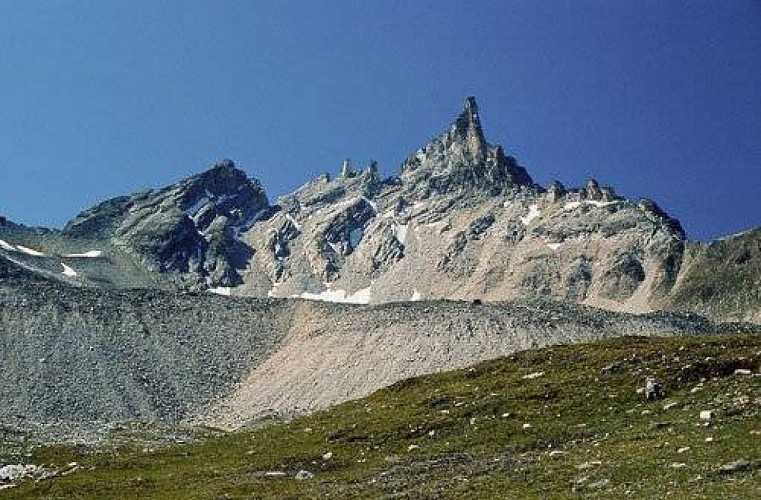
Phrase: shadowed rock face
(462, 220)
(187, 230)
(721, 279)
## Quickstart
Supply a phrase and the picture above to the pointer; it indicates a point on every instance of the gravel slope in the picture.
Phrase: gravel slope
(71, 354)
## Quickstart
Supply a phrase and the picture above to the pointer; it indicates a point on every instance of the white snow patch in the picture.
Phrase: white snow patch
(220, 290)
(723, 238)
(198, 205)
(400, 232)
(371, 203)
(362, 296)
(248, 223)
(6, 246)
(293, 221)
(415, 296)
(506, 204)
(335, 247)
(533, 213)
(29, 251)
(554, 246)
(533, 375)
(67, 271)
(600, 203)
(576, 204)
(90, 254)
(273, 293)
(389, 214)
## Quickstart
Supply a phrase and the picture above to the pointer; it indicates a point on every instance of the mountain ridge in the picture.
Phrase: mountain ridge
(461, 220)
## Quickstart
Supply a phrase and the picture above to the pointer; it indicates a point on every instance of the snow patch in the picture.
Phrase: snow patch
(723, 238)
(600, 203)
(293, 221)
(90, 254)
(220, 290)
(362, 296)
(415, 296)
(533, 213)
(198, 205)
(371, 203)
(571, 205)
(6, 246)
(389, 214)
(29, 251)
(400, 233)
(274, 293)
(67, 271)
(247, 224)
(554, 246)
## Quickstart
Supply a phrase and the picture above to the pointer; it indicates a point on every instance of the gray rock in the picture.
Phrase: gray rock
(304, 475)
(736, 466)
(653, 389)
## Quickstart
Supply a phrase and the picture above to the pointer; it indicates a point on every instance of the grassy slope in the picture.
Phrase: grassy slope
(611, 441)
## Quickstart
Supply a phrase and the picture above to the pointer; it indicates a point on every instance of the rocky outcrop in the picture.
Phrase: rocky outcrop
(721, 279)
(188, 231)
(462, 221)
(460, 160)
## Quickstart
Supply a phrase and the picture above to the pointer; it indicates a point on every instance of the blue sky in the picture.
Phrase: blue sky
(659, 98)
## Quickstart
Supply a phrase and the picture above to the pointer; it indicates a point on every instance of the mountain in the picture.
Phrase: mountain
(459, 258)
(462, 220)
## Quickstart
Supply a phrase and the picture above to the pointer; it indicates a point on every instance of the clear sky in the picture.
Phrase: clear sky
(659, 98)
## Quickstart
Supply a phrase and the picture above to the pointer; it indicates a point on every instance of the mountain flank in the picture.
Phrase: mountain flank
(345, 286)
(559, 422)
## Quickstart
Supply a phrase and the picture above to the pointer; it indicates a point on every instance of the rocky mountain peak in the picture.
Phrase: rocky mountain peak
(189, 229)
(467, 129)
(223, 178)
(460, 159)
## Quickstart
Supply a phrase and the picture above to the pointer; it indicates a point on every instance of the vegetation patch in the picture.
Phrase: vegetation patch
(556, 422)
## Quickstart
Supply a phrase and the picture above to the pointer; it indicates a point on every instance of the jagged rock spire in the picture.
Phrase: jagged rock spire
(461, 159)
(467, 128)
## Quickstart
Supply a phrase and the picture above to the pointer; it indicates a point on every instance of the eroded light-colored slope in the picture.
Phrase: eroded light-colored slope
(353, 351)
